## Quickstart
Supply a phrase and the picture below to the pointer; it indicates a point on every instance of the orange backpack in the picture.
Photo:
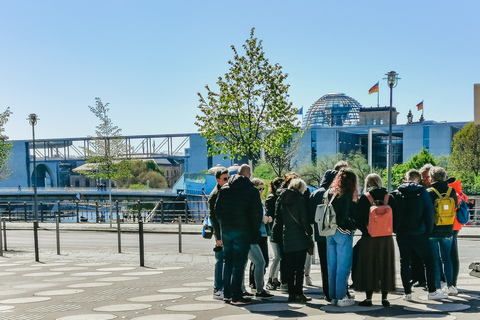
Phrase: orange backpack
(380, 219)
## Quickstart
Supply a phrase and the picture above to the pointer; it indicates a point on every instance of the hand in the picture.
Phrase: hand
(219, 243)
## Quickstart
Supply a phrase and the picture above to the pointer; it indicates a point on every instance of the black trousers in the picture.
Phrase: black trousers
(322, 256)
(419, 245)
(294, 271)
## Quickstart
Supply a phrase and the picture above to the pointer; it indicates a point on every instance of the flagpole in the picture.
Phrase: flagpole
(378, 96)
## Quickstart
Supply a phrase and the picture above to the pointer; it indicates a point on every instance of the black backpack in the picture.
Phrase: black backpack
(411, 210)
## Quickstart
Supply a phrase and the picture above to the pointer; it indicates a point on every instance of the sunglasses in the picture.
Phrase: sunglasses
(261, 189)
(225, 179)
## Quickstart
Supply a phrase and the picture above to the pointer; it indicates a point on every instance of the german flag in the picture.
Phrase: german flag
(420, 106)
(373, 89)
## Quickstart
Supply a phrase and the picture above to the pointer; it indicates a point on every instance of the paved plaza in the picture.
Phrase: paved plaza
(83, 284)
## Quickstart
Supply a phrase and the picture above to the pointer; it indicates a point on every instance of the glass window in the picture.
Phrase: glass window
(426, 137)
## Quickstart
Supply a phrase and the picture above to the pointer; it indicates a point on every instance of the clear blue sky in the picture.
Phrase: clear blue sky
(150, 58)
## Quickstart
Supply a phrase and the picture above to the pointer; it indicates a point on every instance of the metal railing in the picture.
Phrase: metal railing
(103, 211)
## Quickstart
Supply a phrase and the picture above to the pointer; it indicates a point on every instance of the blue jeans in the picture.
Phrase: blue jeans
(339, 260)
(218, 282)
(236, 245)
(443, 247)
(256, 256)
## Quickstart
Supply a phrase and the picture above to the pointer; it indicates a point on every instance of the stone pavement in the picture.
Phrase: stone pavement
(83, 285)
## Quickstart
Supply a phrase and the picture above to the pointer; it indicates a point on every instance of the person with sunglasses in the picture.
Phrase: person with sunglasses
(222, 177)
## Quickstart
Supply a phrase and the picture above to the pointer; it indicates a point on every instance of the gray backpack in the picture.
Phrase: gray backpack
(325, 217)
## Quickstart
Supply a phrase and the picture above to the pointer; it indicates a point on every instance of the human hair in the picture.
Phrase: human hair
(346, 180)
(275, 184)
(288, 178)
(340, 164)
(413, 175)
(220, 172)
(244, 170)
(298, 184)
(373, 180)
(425, 168)
(437, 174)
(257, 182)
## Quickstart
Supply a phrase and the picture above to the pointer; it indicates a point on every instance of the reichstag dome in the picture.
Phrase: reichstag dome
(333, 110)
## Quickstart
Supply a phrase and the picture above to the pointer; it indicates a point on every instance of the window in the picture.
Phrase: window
(426, 137)
(374, 121)
(313, 144)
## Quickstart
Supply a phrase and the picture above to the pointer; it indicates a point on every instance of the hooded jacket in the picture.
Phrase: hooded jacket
(457, 185)
(294, 235)
(239, 207)
(442, 187)
(404, 226)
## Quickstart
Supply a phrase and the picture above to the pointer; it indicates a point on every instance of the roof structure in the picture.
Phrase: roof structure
(333, 110)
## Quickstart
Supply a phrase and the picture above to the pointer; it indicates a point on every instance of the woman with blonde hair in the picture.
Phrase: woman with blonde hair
(375, 263)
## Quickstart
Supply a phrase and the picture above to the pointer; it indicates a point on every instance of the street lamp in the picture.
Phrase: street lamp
(32, 118)
(392, 78)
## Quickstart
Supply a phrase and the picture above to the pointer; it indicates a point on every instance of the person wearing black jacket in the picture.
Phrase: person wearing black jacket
(222, 177)
(442, 235)
(292, 222)
(414, 225)
(239, 211)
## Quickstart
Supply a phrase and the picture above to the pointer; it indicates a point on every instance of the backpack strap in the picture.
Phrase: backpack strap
(385, 200)
(370, 198)
(449, 191)
(436, 191)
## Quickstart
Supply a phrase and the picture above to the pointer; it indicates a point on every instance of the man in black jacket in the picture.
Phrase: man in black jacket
(414, 224)
(239, 211)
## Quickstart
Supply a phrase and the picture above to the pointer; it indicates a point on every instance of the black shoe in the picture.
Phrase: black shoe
(263, 295)
(227, 300)
(386, 303)
(247, 294)
(271, 286)
(365, 303)
(242, 301)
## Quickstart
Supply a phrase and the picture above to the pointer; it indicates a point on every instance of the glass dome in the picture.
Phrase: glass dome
(333, 109)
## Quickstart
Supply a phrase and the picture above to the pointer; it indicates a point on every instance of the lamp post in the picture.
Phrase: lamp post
(392, 78)
(32, 118)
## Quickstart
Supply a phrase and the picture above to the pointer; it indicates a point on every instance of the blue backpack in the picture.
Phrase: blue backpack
(463, 215)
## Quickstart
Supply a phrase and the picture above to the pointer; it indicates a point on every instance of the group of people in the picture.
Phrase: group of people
(243, 225)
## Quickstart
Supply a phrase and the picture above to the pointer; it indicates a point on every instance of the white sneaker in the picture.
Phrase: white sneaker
(443, 285)
(452, 291)
(407, 297)
(437, 295)
(345, 302)
(218, 295)
(308, 281)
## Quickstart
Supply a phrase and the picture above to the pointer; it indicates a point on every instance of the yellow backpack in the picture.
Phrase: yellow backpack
(444, 208)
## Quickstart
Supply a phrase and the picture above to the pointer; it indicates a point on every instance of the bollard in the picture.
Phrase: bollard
(1, 244)
(9, 212)
(59, 212)
(35, 240)
(4, 234)
(76, 204)
(140, 235)
(162, 213)
(179, 234)
(25, 210)
(118, 230)
(96, 212)
(57, 231)
(186, 211)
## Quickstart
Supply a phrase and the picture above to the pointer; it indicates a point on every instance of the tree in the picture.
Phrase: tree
(250, 111)
(465, 155)
(142, 172)
(107, 158)
(283, 162)
(5, 147)
(415, 162)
